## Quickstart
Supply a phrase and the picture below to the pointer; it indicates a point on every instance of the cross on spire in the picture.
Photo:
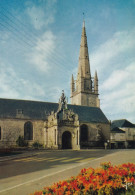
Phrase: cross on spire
(83, 19)
(83, 15)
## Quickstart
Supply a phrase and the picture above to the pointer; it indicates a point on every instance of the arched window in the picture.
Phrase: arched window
(28, 131)
(83, 133)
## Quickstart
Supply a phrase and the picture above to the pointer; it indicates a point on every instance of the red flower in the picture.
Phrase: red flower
(106, 180)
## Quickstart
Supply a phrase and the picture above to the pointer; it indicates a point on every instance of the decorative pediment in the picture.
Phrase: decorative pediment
(63, 116)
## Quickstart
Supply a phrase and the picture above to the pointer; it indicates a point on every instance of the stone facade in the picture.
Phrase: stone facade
(62, 130)
(122, 134)
(11, 129)
(59, 126)
(97, 134)
(55, 126)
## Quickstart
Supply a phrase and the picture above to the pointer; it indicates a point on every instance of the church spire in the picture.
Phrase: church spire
(84, 55)
(84, 90)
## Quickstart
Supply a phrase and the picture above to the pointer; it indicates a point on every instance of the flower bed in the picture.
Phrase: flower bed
(107, 180)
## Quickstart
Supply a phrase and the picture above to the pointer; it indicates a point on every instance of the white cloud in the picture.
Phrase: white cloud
(6, 79)
(37, 16)
(119, 93)
(41, 16)
(121, 42)
(115, 63)
(114, 80)
(42, 52)
(120, 79)
(15, 87)
(54, 92)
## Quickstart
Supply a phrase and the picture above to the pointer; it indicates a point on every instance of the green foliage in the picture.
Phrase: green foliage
(21, 142)
(131, 190)
(105, 165)
(36, 144)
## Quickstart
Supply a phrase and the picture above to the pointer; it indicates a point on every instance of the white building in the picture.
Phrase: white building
(122, 134)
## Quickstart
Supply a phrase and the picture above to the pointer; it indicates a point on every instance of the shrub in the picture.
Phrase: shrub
(107, 180)
(21, 142)
(37, 145)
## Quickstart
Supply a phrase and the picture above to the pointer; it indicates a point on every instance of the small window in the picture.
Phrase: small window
(19, 111)
(0, 133)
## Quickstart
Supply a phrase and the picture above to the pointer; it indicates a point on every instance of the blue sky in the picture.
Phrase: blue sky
(39, 50)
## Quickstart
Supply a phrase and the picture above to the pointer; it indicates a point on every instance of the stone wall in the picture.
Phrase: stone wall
(85, 99)
(98, 133)
(50, 136)
(12, 128)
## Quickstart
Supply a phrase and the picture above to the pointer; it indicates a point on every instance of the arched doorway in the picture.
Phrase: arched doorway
(66, 140)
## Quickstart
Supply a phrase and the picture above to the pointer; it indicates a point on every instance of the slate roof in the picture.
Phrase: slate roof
(117, 130)
(122, 123)
(39, 110)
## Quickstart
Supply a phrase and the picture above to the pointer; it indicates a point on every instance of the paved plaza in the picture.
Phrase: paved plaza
(28, 172)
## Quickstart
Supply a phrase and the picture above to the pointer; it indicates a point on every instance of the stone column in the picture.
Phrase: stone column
(78, 136)
(44, 137)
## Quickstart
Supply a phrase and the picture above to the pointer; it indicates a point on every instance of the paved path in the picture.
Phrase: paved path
(59, 165)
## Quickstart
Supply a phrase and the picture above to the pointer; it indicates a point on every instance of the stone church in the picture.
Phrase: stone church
(81, 124)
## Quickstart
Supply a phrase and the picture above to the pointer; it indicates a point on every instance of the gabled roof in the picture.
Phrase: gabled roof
(117, 130)
(122, 123)
(40, 110)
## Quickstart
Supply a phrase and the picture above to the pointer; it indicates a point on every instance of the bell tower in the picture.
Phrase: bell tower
(84, 91)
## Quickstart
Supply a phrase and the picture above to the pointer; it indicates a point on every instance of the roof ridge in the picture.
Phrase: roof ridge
(41, 101)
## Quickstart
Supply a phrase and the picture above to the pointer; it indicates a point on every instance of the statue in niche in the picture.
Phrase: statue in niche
(62, 102)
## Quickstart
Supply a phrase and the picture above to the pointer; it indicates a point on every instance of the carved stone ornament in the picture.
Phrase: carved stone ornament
(62, 102)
